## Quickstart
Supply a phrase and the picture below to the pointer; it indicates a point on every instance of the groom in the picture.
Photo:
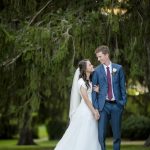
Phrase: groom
(111, 99)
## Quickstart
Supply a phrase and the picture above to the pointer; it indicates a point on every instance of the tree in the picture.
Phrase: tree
(41, 43)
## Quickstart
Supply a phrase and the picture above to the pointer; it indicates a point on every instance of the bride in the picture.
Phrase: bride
(82, 133)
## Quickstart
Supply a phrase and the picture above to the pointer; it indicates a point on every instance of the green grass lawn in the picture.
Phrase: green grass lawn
(44, 144)
(49, 145)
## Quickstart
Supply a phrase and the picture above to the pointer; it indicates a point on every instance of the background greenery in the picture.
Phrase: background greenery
(41, 43)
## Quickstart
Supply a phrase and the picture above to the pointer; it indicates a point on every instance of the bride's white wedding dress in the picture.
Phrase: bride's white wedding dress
(82, 133)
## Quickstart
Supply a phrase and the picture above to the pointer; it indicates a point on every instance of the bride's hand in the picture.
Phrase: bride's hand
(96, 88)
(96, 114)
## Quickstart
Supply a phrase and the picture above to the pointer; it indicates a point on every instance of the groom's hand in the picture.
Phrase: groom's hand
(96, 88)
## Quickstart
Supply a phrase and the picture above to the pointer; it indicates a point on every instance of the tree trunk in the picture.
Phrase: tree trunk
(147, 142)
(26, 137)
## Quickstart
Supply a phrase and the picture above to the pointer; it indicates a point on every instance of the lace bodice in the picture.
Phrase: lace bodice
(81, 82)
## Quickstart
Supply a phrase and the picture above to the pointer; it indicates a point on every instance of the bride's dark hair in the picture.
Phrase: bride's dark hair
(82, 67)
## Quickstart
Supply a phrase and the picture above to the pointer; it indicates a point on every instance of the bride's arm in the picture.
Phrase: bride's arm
(88, 102)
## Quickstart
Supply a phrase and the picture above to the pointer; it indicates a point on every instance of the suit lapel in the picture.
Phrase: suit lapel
(112, 73)
(102, 70)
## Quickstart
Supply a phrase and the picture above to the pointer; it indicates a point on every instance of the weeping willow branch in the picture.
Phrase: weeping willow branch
(67, 32)
(148, 55)
(74, 51)
(13, 60)
(9, 62)
(40, 11)
(73, 41)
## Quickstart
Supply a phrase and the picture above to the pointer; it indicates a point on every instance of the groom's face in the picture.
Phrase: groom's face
(102, 58)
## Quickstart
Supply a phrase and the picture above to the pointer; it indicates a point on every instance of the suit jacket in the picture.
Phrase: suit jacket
(118, 82)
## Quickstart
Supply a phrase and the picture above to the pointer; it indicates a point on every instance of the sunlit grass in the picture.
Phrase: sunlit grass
(49, 145)
(42, 132)
(44, 144)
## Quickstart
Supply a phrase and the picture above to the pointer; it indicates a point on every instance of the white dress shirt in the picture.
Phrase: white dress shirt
(110, 68)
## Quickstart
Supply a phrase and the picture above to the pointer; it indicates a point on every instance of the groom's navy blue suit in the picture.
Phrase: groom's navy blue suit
(109, 111)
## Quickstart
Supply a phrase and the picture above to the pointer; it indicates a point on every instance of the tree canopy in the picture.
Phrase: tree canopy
(41, 43)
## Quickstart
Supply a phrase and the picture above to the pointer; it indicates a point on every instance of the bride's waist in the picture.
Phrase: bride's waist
(84, 107)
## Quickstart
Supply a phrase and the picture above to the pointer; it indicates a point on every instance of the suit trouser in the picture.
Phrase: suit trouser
(113, 113)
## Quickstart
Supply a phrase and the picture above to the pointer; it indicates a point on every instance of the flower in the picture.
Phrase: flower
(114, 70)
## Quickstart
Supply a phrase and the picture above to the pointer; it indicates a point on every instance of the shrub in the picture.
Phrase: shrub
(56, 129)
(136, 128)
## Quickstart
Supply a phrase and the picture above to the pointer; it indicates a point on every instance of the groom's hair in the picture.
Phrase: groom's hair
(103, 48)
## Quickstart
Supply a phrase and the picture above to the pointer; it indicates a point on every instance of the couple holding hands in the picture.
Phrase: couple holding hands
(98, 97)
